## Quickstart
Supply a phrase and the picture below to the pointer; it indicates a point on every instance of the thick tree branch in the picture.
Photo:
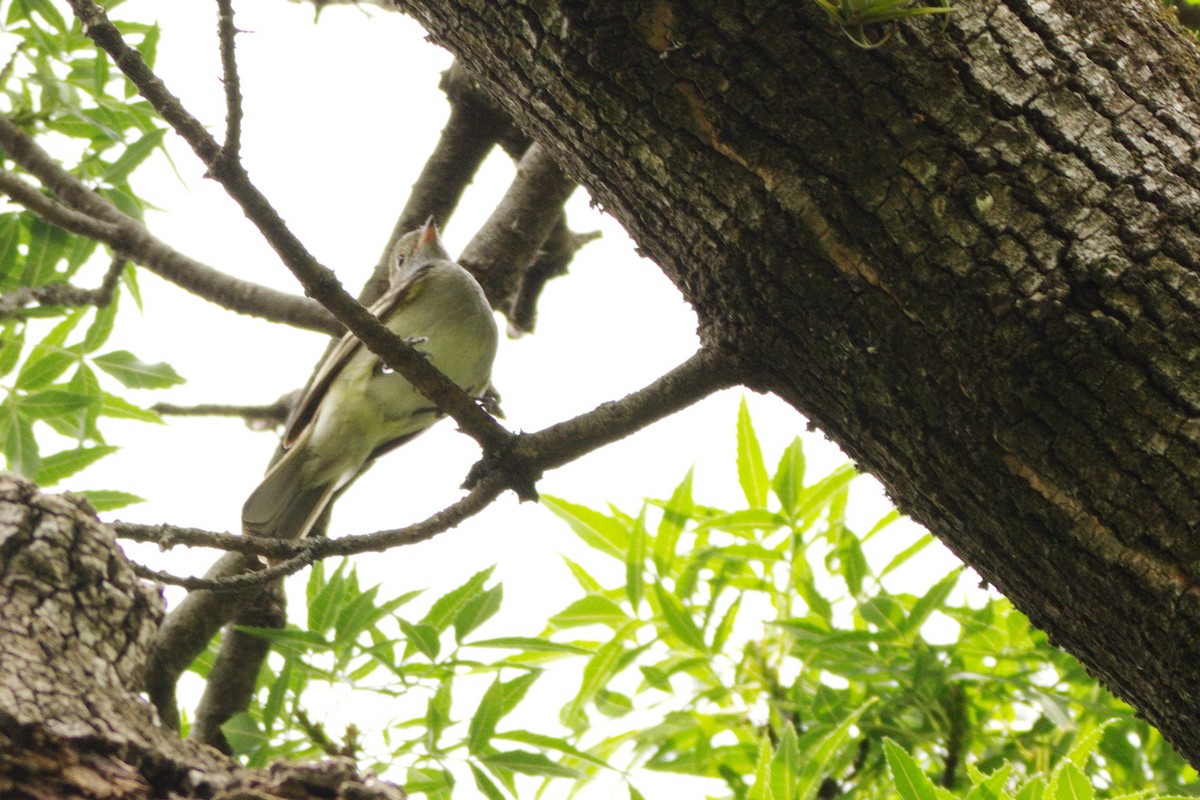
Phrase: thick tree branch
(509, 241)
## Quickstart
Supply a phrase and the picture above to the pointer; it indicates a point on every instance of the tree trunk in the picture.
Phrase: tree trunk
(75, 627)
(970, 256)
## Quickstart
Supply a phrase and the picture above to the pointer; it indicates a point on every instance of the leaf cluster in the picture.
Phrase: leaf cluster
(760, 650)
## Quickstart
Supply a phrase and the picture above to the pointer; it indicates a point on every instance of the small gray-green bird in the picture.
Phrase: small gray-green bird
(356, 409)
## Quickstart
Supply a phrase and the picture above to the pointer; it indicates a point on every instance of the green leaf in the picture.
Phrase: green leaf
(785, 766)
(109, 499)
(20, 446)
(752, 471)
(531, 644)
(500, 699)
(819, 758)
(243, 734)
(10, 347)
(529, 764)
(485, 784)
(437, 714)
(635, 561)
(134, 373)
(477, 610)
(134, 154)
(1072, 784)
(48, 359)
(422, 637)
(675, 516)
(325, 598)
(550, 743)
(598, 531)
(52, 403)
(596, 674)
(678, 620)
(931, 601)
(100, 329)
(910, 781)
(446, 608)
(119, 408)
(593, 609)
(66, 463)
(788, 482)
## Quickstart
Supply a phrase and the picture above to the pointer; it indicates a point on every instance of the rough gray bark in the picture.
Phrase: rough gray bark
(969, 256)
(75, 628)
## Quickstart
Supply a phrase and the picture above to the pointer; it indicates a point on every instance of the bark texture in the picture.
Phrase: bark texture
(969, 256)
(75, 628)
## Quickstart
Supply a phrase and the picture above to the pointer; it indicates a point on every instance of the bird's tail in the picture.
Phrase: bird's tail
(281, 506)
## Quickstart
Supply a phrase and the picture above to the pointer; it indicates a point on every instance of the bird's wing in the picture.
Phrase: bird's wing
(305, 410)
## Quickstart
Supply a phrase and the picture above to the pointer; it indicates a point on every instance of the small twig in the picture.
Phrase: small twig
(227, 33)
(258, 417)
(315, 732)
(552, 260)
(12, 305)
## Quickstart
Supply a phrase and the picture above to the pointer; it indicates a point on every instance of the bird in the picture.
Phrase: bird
(355, 408)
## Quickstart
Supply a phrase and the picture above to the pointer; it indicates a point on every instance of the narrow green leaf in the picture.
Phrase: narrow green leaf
(596, 674)
(109, 499)
(752, 471)
(678, 620)
(134, 155)
(485, 784)
(599, 531)
(1073, 784)
(788, 482)
(437, 714)
(20, 446)
(931, 601)
(910, 781)
(66, 463)
(529, 764)
(528, 643)
(550, 743)
(904, 555)
(446, 608)
(635, 561)
(11, 345)
(49, 358)
(100, 329)
(818, 760)
(761, 790)
(477, 610)
(52, 403)
(785, 765)
(243, 734)
(422, 637)
(323, 604)
(498, 701)
(134, 373)
(675, 516)
(594, 609)
(725, 626)
(119, 408)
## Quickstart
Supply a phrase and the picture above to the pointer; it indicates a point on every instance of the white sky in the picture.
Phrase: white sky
(339, 119)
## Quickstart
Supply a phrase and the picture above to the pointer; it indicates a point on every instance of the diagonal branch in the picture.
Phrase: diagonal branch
(318, 280)
(532, 454)
(12, 304)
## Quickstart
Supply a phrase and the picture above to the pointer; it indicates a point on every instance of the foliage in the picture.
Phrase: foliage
(759, 648)
(56, 87)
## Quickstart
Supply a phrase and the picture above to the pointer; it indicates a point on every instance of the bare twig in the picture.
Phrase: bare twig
(556, 253)
(257, 417)
(318, 281)
(89, 214)
(12, 304)
(227, 33)
(533, 453)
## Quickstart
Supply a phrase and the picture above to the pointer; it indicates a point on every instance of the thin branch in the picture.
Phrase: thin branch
(533, 453)
(318, 281)
(257, 417)
(556, 253)
(13, 304)
(88, 214)
(227, 33)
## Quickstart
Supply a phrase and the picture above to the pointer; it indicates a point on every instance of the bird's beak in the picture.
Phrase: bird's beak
(429, 235)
